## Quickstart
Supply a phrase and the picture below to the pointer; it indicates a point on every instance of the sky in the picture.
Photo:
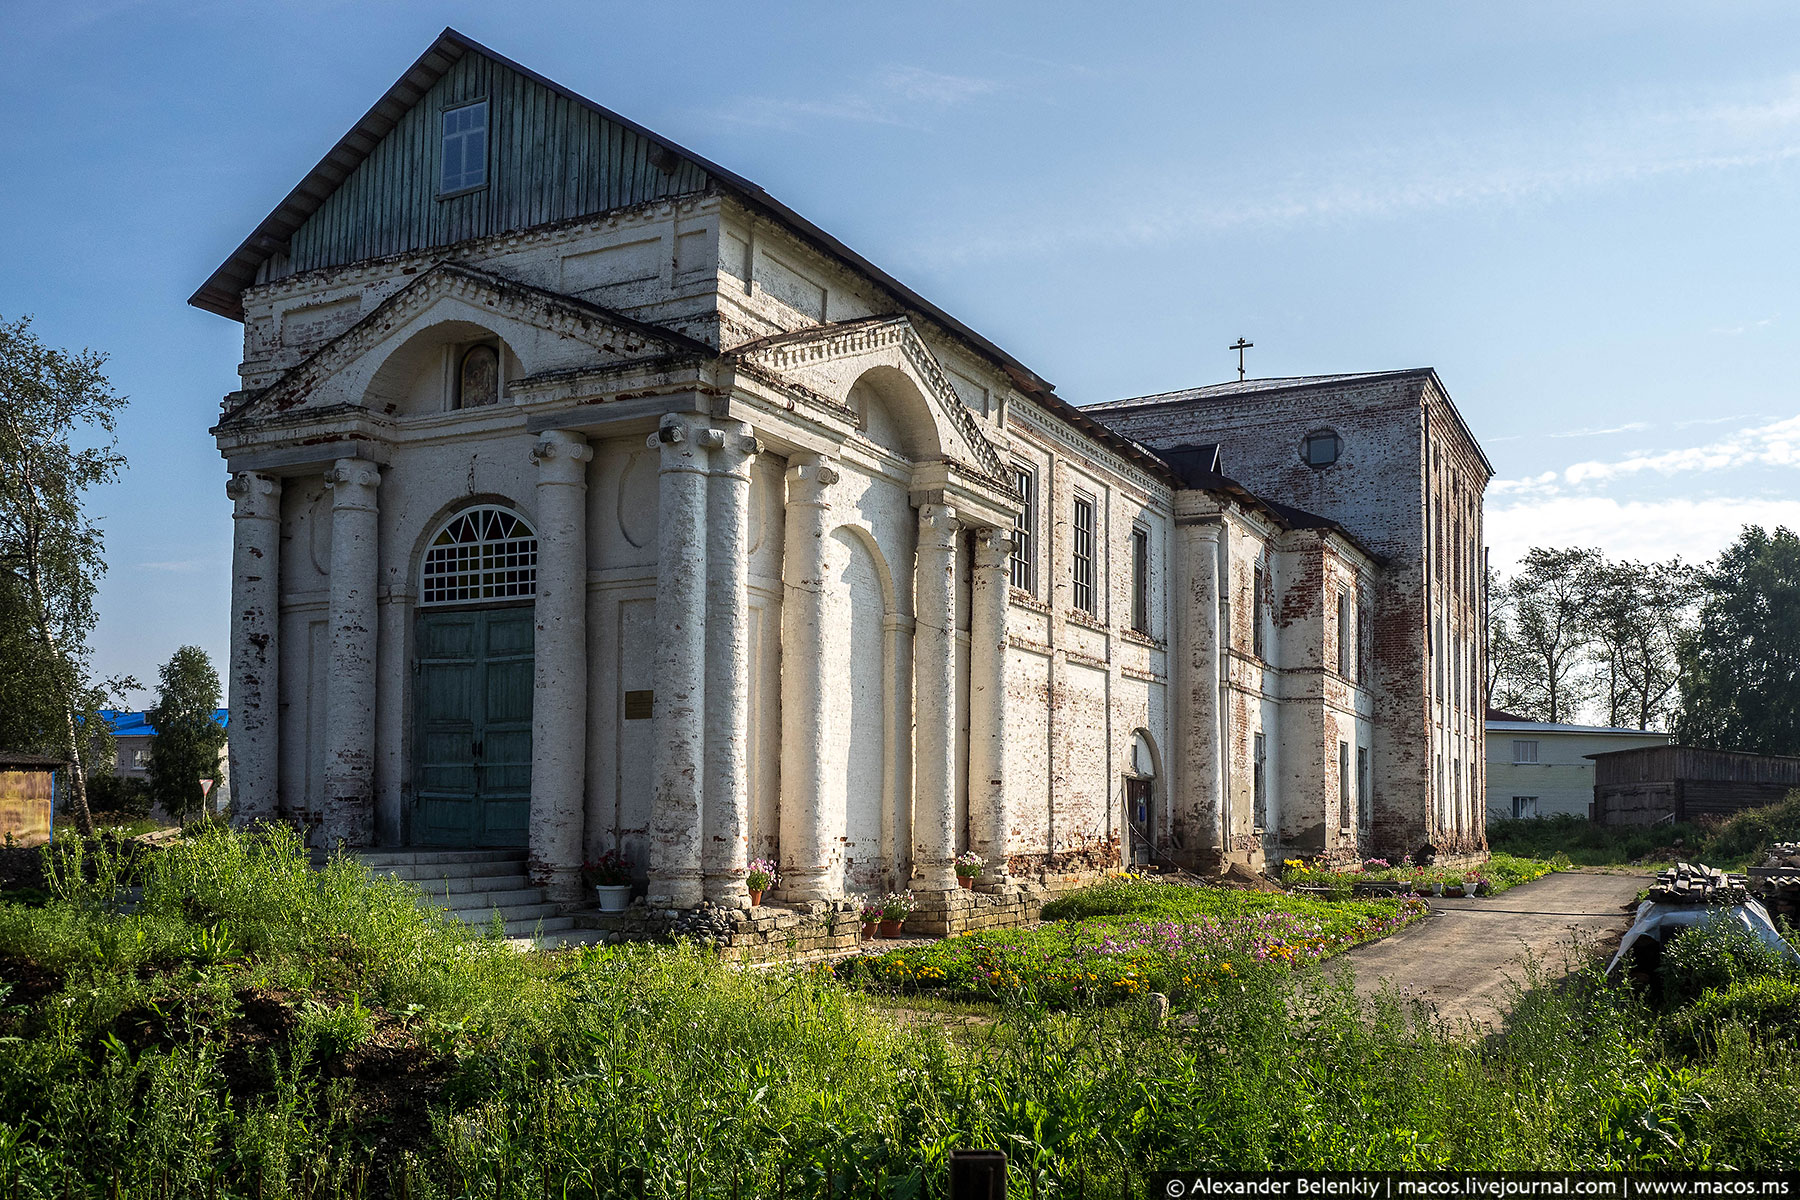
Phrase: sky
(1584, 216)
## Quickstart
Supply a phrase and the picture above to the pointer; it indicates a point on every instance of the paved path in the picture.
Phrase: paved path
(1465, 956)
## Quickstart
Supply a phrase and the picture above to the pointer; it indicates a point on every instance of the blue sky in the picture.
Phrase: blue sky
(1583, 215)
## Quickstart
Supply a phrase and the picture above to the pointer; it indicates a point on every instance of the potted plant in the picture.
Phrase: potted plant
(1475, 885)
(1453, 885)
(610, 877)
(757, 879)
(968, 868)
(871, 917)
(895, 908)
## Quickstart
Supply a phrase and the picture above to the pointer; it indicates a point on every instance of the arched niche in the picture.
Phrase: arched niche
(893, 413)
(428, 372)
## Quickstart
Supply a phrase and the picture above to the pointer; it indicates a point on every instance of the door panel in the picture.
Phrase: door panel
(472, 706)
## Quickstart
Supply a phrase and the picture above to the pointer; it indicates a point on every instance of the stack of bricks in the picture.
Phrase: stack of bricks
(1777, 880)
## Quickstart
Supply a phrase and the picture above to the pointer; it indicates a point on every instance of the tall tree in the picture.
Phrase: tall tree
(1538, 635)
(50, 399)
(186, 749)
(1740, 685)
(1637, 616)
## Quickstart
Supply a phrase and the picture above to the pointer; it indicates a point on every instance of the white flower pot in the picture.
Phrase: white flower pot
(614, 897)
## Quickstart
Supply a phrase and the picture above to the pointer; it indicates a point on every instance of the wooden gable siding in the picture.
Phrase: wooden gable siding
(549, 159)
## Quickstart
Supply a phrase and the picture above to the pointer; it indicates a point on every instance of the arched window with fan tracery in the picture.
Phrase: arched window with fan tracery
(486, 553)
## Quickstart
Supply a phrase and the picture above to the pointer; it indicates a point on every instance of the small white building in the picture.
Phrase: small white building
(1541, 768)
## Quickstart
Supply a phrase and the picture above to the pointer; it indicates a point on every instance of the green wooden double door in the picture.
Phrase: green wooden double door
(472, 708)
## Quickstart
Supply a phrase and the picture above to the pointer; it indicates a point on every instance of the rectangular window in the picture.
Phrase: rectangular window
(1343, 634)
(1140, 580)
(1524, 806)
(1258, 590)
(464, 148)
(1525, 752)
(1024, 565)
(1365, 799)
(1346, 815)
(1259, 781)
(1364, 648)
(1083, 550)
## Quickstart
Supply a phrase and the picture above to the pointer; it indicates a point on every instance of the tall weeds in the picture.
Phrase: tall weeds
(258, 1028)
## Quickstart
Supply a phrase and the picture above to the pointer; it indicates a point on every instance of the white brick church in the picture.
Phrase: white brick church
(589, 498)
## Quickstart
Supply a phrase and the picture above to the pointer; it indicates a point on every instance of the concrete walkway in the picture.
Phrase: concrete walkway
(1464, 958)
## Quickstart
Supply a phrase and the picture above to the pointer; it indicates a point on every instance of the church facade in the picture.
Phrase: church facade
(587, 498)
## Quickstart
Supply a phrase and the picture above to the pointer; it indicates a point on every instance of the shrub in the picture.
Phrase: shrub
(1746, 834)
(120, 794)
(1766, 1007)
(1717, 955)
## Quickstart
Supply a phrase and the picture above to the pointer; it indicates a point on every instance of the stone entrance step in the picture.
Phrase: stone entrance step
(473, 885)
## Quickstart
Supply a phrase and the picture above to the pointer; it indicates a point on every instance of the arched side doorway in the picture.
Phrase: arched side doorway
(1141, 801)
(473, 684)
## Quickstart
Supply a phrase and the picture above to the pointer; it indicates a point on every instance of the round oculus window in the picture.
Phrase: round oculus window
(1320, 448)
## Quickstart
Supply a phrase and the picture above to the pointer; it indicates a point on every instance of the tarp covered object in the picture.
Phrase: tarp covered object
(1660, 920)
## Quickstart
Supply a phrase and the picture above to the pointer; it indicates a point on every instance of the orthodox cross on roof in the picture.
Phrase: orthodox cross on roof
(1241, 346)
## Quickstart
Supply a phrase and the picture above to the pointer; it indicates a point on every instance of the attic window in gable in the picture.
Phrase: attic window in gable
(465, 148)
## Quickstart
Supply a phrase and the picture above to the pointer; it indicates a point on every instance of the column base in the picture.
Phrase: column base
(562, 885)
(727, 892)
(675, 891)
(798, 886)
(934, 879)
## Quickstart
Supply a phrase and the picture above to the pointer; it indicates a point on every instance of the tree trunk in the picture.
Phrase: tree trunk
(84, 820)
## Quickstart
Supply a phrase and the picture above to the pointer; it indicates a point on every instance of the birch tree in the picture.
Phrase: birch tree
(57, 419)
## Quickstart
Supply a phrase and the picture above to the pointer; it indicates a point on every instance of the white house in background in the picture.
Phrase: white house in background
(1540, 769)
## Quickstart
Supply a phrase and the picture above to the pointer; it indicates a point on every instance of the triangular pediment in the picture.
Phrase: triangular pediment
(828, 360)
(547, 331)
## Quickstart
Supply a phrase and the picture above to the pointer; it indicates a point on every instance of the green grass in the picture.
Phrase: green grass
(258, 1029)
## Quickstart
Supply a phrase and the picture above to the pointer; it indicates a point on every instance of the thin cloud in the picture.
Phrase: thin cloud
(1507, 164)
(1774, 445)
(1629, 427)
(899, 96)
(1747, 327)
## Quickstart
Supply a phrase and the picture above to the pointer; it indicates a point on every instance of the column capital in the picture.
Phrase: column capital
(733, 450)
(681, 438)
(353, 482)
(937, 526)
(254, 495)
(562, 457)
(807, 479)
(993, 549)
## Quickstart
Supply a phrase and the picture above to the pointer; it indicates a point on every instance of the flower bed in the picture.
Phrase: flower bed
(1499, 872)
(1146, 937)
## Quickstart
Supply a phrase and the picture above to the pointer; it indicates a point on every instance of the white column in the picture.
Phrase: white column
(255, 696)
(560, 668)
(896, 750)
(726, 852)
(934, 700)
(806, 853)
(350, 701)
(1198, 700)
(990, 824)
(678, 723)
